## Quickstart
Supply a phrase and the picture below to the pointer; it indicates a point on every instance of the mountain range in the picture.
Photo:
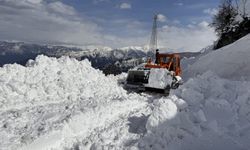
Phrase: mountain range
(111, 61)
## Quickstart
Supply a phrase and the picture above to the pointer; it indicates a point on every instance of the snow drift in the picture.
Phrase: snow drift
(51, 80)
(206, 113)
(52, 100)
(211, 110)
(231, 62)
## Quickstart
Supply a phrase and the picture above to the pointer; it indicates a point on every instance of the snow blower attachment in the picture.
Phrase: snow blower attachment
(158, 77)
(162, 75)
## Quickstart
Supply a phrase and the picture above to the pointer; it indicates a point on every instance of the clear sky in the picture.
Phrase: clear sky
(183, 24)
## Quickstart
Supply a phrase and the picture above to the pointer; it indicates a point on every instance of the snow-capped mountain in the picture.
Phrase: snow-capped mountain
(111, 61)
(20, 52)
(101, 57)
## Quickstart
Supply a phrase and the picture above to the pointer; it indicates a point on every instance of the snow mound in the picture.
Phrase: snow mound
(207, 112)
(52, 100)
(164, 111)
(231, 62)
(53, 80)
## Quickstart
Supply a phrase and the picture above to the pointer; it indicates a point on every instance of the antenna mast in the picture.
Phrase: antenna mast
(153, 40)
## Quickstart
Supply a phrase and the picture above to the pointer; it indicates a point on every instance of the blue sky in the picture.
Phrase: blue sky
(177, 12)
(142, 10)
(183, 24)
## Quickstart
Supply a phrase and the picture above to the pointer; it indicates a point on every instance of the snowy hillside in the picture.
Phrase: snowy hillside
(230, 62)
(208, 111)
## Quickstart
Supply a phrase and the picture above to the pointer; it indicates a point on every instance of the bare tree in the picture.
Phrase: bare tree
(240, 6)
(244, 2)
(237, 6)
(225, 17)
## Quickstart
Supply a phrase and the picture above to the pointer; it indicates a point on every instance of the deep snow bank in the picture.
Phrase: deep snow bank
(52, 100)
(211, 110)
(206, 113)
(230, 62)
(54, 80)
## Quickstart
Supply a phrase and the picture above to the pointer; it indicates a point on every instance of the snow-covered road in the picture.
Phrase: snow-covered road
(87, 124)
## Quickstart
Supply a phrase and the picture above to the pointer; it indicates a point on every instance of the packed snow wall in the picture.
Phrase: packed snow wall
(231, 62)
(53, 80)
(211, 110)
(207, 112)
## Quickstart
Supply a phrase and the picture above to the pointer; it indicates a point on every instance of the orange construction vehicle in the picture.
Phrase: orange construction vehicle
(164, 74)
(168, 61)
(160, 76)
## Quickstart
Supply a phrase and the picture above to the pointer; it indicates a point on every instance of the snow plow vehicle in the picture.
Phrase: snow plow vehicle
(161, 76)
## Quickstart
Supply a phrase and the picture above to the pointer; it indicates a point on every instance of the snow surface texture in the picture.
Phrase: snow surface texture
(58, 101)
(66, 104)
(231, 62)
(205, 113)
(211, 110)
